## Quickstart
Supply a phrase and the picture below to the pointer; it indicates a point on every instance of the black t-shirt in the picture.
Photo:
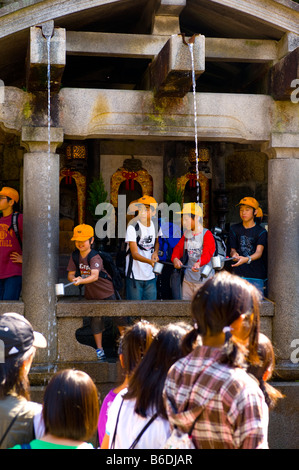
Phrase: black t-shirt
(244, 241)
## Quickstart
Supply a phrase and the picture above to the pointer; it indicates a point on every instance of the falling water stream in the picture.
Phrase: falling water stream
(191, 49)
(52, 317)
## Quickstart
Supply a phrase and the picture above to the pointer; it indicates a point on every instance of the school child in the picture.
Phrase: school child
(143, 246)
(133, 345)
(70, 412)
(248, 243)
(198, 245)
(96, 287)
(264, 371)
(10, 246)
(141, 403)
(209, 393)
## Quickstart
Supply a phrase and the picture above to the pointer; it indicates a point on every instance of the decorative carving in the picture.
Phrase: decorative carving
(122, 174)
(80, 181)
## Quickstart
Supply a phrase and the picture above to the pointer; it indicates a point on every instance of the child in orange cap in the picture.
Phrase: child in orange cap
(96, 286)
(248, 242)
(198, 245)
(10, 246)
(142, 252)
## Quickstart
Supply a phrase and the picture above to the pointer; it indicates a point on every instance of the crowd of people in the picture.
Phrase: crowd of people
(209, 380)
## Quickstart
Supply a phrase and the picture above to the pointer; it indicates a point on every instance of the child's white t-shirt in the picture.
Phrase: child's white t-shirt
(142, 271)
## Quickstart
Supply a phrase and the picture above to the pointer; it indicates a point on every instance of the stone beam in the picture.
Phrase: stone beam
(282, 15)
(148, 47)
(170, 72)
(166, 20)
(37, 63)
(87, 113)
(283, 75)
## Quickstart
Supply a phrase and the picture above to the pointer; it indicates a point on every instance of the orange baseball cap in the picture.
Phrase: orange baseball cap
(82, 233)
(10, 192)
(251, 202)
(147, 200)
(191, 208)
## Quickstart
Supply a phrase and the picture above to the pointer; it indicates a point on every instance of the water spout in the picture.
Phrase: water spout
(48, 29)
(191, 48)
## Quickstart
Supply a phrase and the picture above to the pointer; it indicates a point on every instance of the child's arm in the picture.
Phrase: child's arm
(137, 257)
(94, 276)
(244, 259)
(155, 255)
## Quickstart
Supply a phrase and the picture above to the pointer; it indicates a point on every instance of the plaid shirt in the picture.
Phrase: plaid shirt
(233, 412)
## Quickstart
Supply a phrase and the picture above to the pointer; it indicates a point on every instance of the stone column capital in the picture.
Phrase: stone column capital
(282, 145)
(35, 139)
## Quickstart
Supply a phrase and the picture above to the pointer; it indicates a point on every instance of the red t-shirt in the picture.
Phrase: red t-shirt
(8, 244)
(98, 290)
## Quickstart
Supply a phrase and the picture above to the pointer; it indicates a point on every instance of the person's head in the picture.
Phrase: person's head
(147, 382)
(8, 197)
(147, 207)
(83, 236)
(264, 370)
(191, 216)
(249, 209)
(134, 343)
(227, 307)
(18, 343)
(71, 405)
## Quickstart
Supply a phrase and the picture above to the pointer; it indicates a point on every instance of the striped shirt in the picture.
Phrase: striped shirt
(231, 407)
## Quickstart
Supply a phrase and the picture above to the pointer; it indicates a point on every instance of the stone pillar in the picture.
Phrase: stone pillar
(283, 252)
(41, 234)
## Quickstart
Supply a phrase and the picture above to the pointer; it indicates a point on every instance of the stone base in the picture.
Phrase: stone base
(284, 423)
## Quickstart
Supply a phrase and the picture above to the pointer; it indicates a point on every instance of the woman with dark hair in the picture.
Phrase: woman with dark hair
(141, 404)
(70, 412)
(208, 393)
(19, 417)
(133, 345)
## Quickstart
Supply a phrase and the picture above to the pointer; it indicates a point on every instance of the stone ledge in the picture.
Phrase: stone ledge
(9, 306)
(72, 307)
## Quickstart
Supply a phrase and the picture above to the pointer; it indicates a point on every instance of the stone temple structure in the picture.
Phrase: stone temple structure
(121, 107)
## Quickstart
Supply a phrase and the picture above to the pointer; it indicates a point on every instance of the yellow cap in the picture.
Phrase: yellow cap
(10, 192)
(251, 202)
(191, 208)
(147, 200)
(82, 233)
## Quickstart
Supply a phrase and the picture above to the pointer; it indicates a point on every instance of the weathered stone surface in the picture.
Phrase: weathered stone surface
(171, 70)
(283, 273)
(283, 75)
(136, 114)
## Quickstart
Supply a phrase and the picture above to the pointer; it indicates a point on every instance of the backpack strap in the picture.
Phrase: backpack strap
(15, 226)
(25, 446)
(9, 427)
(133, 445)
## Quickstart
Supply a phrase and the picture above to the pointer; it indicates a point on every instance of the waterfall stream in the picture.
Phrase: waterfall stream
(191, 49)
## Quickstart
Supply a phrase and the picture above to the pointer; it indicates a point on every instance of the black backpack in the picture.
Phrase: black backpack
(15, 227)
(113, 273)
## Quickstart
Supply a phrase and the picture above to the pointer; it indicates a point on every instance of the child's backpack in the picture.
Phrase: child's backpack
(221, 249)
(113, 273)
(15, 226)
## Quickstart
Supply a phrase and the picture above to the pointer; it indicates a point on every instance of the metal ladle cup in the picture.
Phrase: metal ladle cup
(59, 288)
(218, 262)
(158, 266)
